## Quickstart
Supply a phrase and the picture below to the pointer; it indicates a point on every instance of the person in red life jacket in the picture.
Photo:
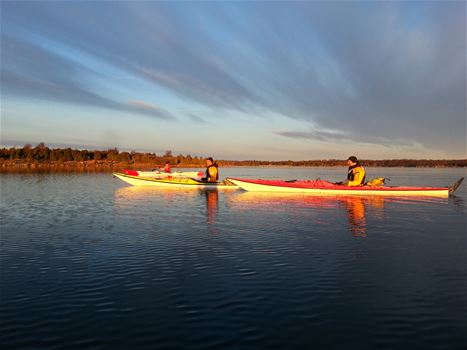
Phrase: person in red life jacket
(356, 173)
(212, 172)
(166, 167)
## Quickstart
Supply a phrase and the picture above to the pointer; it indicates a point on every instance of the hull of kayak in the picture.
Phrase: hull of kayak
(317, 187)
(160, 174)
(173, 182)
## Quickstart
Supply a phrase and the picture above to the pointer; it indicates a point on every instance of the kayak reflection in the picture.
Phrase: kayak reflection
(143, 199)
(359, 210)
(131, 196)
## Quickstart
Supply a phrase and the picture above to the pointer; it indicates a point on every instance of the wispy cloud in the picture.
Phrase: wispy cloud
(30, 71)
(150, 109)
(144, 105)
(311, 135)
(341, 136)
(197, 119)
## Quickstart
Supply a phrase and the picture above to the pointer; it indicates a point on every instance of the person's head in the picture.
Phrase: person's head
(209, 161)
(167, 162)
(352, 160)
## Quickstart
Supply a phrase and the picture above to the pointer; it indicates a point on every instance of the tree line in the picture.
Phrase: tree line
(415, 163)
(41, 154)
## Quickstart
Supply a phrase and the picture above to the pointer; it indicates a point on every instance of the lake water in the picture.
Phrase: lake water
(88, 262)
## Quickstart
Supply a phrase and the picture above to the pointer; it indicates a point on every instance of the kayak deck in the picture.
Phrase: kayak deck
(159, 174)
(172, 182)
(320, 187)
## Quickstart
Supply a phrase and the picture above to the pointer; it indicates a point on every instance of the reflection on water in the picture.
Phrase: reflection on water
(212, 205)
(170, 198)
(458, 203)
(356, 208)
(131, 195)
(356, 214)
(356, 211)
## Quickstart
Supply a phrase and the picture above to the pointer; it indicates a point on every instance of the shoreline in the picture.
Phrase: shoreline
(42, 158)
(105, 166)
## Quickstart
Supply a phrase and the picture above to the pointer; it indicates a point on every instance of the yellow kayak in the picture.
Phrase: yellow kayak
(172, 182)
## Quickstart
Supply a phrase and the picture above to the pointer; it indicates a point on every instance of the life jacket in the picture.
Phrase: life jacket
(356, 175)
(212, 174)
(167, 168)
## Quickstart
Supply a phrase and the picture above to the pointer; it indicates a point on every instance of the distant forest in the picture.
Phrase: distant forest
(42, 156)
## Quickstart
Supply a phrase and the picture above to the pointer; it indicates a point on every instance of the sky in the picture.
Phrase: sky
(237, 80)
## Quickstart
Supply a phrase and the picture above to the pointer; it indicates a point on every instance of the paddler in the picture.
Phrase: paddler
(166, 168)
(212, 172)
(356, 173)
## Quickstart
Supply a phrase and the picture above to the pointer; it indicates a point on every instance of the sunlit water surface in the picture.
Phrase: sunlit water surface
(88, 262)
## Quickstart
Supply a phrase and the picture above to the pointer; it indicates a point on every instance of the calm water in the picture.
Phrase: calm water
(88, 262)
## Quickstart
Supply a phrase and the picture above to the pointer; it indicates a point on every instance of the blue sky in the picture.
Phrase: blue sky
(237, 80)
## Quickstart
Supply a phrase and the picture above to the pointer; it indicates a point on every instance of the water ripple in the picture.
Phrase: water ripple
(86, 263)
